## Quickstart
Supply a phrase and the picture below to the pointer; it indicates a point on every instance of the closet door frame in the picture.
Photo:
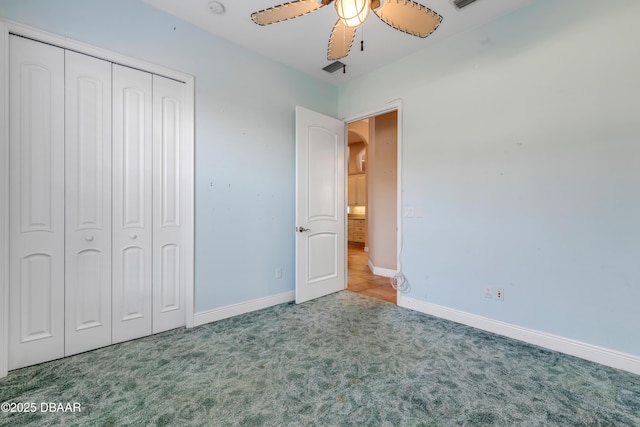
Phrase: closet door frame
(188, 177)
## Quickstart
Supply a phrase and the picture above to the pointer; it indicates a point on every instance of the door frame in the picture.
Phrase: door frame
(395, 105)
(4, 200)
(10, 27)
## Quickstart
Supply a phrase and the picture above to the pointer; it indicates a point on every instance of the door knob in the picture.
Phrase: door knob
(89, 238)
(302, 229)
(133, 236)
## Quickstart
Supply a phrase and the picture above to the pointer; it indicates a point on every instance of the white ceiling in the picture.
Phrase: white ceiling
(302, 42)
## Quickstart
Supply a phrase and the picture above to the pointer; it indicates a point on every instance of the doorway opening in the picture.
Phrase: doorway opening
(373, 189)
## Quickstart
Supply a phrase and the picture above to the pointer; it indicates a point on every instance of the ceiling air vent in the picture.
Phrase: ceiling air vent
(462, 3)
(333, 67)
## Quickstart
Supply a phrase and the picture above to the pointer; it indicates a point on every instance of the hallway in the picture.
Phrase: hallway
(362, 281)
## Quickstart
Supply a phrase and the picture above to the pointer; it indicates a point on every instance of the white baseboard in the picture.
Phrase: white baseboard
(604, 356)
(225, 312)
(378, 271)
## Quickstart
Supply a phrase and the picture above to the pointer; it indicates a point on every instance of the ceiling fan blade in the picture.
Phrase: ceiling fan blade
(409, 17)
(286, 11)
(340, 41)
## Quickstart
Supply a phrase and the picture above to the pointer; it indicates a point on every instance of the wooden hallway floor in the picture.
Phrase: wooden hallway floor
(362, 281)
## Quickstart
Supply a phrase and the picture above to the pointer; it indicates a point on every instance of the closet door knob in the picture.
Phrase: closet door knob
(89, 238)
(133, 236)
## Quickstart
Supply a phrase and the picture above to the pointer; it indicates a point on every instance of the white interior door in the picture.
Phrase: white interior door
(36, 219)
(88, 203)
(169, 204)
(320, 205)
(132, 197)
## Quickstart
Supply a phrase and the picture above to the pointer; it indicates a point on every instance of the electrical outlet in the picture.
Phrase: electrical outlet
(278, 273)
(500, 294)
(488, 293)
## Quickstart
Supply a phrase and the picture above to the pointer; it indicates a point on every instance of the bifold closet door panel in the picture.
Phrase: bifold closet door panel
(36, 219)
(88, 203)
(168, 204)
(132, 204)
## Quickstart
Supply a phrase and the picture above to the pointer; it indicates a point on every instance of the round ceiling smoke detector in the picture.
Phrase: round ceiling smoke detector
(216, 7)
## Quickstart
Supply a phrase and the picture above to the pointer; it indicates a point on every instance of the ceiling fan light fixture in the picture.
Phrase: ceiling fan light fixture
(352, 13)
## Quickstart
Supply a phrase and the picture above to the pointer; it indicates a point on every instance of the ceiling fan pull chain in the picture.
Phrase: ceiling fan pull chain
(361, 39)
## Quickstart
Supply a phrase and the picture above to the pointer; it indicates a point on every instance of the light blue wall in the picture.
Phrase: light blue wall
(522, 148)
(244, 136)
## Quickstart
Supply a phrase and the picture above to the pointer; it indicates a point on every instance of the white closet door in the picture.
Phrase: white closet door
(36, 262)
(88, 203)
(168, 204)
(132, 196)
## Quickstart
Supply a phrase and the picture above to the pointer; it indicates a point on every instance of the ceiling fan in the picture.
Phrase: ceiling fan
(404, 15)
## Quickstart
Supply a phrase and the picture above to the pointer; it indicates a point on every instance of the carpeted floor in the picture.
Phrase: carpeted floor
(341, 360)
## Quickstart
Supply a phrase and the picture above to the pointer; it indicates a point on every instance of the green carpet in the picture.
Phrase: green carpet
(342, 360)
